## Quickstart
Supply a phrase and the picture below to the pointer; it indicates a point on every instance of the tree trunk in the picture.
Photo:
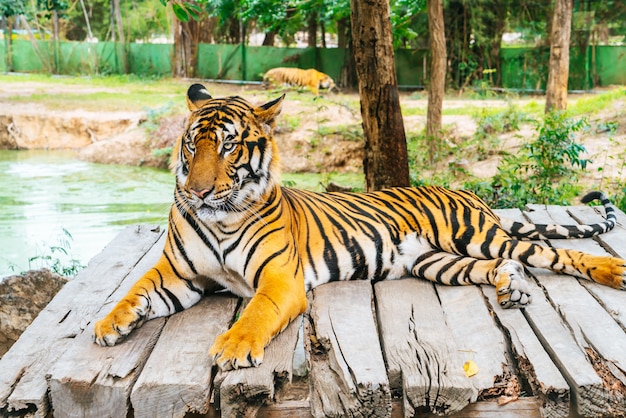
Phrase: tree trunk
(8, 36)
(437, 74)
(386, 161)
(270, 38)
(187, 38)
(89, 33)
(312, 30)
(121, 48)
(55, 40)
(185, 49)
(347, 77)
(342, 33)
(556, 89)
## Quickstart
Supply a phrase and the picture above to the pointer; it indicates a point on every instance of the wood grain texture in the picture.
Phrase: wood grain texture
(422, 355)
(242, 392)
(23, 369)
(89, 380)
(586, 386)
(604, 346)
(479, 339)
(614, 242)
(347, 371)
(177, 377)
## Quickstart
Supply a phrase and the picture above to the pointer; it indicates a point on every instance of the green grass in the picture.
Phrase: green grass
(97, 93)
(351, 132)
(94, 93)
(593, 104)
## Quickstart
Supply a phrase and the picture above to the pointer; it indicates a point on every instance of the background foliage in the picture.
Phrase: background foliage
(474, 28)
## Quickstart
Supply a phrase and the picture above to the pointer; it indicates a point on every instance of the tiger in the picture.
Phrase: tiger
(310, 78)
(233, 226)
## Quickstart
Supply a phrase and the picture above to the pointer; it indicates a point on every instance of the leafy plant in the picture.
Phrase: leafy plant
(57, 257)
(499, 120)
(545, 170)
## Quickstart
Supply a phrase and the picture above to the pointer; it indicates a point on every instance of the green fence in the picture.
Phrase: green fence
(522, 68)
(596, 66)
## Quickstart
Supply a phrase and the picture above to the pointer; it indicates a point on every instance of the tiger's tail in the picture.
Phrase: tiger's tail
(530, 231)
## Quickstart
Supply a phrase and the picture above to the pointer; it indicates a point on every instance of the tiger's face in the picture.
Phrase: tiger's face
(226, 159)
(328, 83)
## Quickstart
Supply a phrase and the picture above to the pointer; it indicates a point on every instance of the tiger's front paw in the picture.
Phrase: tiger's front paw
(236, 348)
(511, 285)
(116, 325)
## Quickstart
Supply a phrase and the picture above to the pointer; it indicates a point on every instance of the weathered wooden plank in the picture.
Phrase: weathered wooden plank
(422, 355)
(604, 345)
(615, 243)
(89, 380)
(23, 369)
(184, 385)
(347, 371)
(533, 361)
(242, 392)
(479, 339)
(586, 387)
(520, 408)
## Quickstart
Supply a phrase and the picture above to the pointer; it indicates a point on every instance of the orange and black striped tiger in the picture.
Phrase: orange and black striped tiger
(233, 225)
(310, 78)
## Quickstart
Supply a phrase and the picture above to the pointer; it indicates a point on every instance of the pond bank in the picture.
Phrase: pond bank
(109, 137)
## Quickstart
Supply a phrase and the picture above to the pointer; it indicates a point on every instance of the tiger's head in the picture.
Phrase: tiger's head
(327, 83)
(226, 159)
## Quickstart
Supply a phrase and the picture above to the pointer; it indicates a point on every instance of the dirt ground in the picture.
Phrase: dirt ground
(321, 135)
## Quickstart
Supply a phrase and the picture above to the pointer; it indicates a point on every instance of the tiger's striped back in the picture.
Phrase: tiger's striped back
(310, 78)
(352, 236)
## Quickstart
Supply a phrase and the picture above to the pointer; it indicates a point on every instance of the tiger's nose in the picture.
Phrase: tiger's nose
(201, 194)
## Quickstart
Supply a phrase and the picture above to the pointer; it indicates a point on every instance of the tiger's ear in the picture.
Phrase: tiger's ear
(197, 96)
(267, 113)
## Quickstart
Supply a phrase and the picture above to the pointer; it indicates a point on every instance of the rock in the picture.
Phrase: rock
(22, 297)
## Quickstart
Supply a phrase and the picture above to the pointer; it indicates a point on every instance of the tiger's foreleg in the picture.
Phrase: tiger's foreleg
(507, 276)
(279, 298)
(159, 292)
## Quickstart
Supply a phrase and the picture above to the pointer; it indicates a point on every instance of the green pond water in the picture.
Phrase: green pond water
(48, 196)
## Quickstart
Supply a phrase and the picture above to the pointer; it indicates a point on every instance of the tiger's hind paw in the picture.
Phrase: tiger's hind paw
(512, 288)
(608, 271)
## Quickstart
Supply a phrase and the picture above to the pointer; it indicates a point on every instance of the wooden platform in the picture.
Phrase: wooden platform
(394, 349)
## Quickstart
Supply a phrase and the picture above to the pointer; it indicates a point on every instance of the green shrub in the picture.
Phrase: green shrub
(544, 171)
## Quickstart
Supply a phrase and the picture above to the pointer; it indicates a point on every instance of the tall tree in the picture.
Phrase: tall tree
(558, 72)
(386, 160)
(188, 35)
(10, 9)
(437, 73)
